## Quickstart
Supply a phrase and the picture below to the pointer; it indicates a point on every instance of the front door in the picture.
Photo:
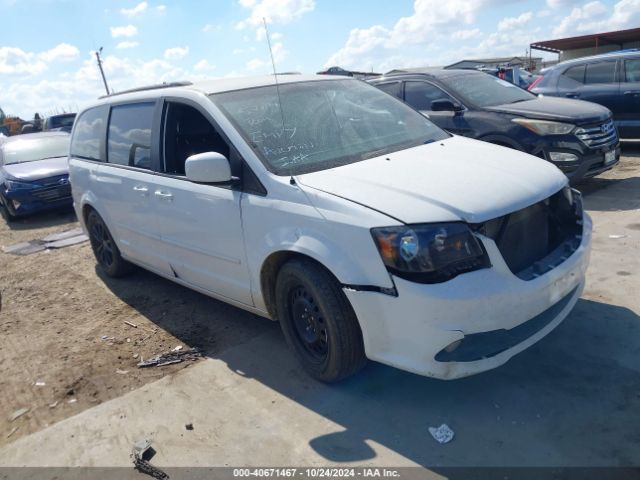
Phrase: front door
(420, 94)
(629, 116)
(201, 227)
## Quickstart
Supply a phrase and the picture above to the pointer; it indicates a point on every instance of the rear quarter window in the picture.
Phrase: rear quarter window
(89, 134)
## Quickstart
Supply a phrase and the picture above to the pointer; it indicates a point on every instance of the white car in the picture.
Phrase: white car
(337, 210)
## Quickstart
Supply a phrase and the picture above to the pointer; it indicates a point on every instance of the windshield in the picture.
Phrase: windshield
(19, 151)
(485, 90)
(323, 124)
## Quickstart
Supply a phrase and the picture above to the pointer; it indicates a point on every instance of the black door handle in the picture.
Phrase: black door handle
(572, 94)
(631, 93)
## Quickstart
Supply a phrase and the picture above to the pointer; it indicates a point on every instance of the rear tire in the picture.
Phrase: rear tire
(105, 249)
(318, 321)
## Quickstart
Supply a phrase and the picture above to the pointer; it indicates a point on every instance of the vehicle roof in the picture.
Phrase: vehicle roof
(33, 136)
(434, 72)
(616, 54)
(217, 85)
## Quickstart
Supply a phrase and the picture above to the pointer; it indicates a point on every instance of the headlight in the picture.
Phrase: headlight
(430, 253)
(544, 127)
(12, 185)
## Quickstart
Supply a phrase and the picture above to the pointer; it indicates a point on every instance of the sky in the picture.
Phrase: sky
(48, 65)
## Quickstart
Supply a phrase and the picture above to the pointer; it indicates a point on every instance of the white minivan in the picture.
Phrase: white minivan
(337, 210)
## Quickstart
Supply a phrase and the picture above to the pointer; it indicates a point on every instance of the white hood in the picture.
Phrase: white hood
(454, 179)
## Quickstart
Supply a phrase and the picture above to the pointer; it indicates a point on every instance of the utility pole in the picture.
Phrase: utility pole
(104, 79)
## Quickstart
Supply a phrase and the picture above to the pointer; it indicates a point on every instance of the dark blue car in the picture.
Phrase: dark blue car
(34, 174)
(611, 79)
(577, 137)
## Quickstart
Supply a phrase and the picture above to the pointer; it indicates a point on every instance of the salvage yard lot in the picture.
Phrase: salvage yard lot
(570, 400)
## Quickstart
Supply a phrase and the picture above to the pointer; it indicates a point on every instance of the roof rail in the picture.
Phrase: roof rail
(148, 87)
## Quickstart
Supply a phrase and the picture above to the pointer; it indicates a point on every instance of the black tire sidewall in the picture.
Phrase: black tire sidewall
(119, 266)
(334, 308)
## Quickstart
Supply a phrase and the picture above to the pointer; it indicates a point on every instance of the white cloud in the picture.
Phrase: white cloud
(511, 23)
(176, 53)
(124, 31)
(137, 10)
(626, 14)
(255, 64)
(203, 66)
(274, 11)
(581, 19)
(562, 3)
(15, 61)
(467, 34)
(210, 27)
(367, 46)
(63, 52)
(127, 44)
(161, 8)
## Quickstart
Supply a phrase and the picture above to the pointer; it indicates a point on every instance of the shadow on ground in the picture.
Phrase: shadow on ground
(43, 220)
(570, 400)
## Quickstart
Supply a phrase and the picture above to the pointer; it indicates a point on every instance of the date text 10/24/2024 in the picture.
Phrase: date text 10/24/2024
(316, 472)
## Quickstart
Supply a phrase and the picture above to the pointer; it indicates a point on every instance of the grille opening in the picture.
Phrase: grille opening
(600, 135)
(540, 237)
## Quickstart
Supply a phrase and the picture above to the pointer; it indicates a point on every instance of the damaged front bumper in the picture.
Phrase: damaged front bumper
(472, 323)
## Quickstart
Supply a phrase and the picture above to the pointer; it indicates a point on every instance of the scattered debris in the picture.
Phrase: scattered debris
(56, 240)
(18, 413)
(131, 324)
(40, 384)
(141, 454)
(73, 400)
(107, 338)
(169, 358)
(442, 434)
(13, 430)
(122, 372)
(615, 237)
(189, 426)
(135, 355)
(54, 404)
(177, 349)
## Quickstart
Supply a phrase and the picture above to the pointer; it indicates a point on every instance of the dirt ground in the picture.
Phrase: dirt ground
(56, 308)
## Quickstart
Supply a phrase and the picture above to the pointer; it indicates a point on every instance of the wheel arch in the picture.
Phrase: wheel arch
(269, 273)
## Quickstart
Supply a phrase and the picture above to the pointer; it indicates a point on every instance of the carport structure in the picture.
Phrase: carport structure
(574, 47)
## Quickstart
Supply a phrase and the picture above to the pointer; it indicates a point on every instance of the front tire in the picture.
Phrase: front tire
(318, 321)
(105, 249)
(5, 211)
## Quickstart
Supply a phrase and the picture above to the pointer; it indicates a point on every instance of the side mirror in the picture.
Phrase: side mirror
(444, 105)
(208, 167)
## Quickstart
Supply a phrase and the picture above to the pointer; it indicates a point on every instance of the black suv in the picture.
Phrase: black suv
(578, 137)
(611, 79)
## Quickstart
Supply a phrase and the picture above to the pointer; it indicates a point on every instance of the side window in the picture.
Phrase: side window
(632, 70)
(392, 88)
(130, 135)
(420, 95)
(603, 72)
(188, 132)
(89, 134)
(574, 74)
